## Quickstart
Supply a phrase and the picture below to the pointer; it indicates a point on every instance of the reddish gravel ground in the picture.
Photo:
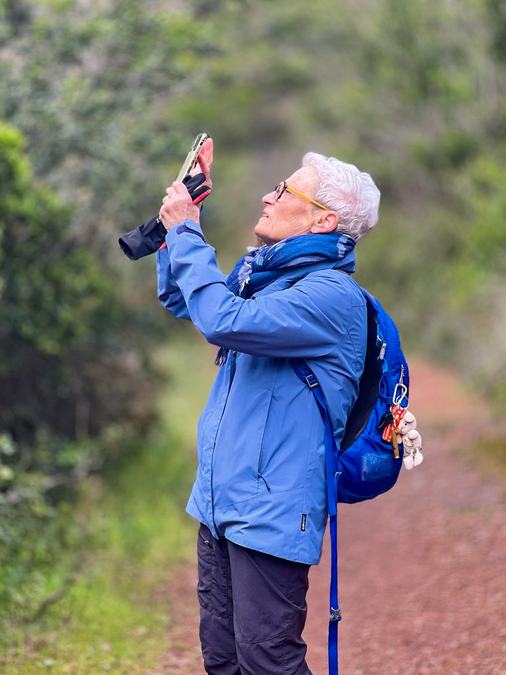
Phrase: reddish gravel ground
(422, 568)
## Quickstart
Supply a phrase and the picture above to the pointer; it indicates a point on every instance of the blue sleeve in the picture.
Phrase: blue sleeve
(303, 321)
(168, 291)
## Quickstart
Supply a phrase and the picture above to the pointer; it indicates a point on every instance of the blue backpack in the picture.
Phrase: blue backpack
(365, 465)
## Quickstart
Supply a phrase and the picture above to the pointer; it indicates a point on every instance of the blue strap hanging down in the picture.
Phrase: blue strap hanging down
(307, 376)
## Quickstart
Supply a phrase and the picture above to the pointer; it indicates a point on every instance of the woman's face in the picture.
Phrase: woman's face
(290, 215)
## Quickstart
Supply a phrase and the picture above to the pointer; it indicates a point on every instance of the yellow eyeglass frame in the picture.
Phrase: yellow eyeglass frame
(283, 186)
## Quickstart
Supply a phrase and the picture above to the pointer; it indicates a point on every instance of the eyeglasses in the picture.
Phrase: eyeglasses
(283, 186)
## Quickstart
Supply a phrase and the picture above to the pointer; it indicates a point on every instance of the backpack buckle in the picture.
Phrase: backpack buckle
(335, 614)
(311, 381)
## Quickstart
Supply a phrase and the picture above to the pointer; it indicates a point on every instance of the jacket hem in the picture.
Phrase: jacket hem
(306, 560)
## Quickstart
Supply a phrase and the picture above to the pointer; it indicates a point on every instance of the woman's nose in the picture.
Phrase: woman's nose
(269, 198)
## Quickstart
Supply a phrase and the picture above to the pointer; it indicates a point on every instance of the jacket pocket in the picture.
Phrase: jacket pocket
(238, 449)
(262, 439)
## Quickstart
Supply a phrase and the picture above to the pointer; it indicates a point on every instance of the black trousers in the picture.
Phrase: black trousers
(252, 610)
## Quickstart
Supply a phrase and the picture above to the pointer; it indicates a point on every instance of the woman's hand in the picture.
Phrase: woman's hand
(177, 206)
(205, 159)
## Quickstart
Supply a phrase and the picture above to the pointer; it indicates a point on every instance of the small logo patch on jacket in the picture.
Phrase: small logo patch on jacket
(303, 522)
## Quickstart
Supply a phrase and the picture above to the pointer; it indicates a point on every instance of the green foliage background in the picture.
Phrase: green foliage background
(99, 102)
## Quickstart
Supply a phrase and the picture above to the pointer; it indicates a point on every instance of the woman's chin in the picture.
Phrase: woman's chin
(259, 229)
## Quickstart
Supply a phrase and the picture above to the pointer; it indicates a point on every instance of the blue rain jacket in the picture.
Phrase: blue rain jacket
(261, 458)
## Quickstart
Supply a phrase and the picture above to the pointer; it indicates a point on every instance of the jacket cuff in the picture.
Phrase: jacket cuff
(187, 225)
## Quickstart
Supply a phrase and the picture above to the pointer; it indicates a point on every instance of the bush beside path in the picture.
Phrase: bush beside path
(421, 568)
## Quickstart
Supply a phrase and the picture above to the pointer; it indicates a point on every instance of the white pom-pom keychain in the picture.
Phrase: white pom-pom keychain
(411, 441)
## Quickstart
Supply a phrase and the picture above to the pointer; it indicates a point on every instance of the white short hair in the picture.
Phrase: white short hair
(350, 192)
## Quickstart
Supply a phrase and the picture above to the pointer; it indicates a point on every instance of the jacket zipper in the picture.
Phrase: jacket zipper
(233, 355)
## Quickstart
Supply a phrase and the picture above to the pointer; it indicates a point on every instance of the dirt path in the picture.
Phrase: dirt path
(421, 569)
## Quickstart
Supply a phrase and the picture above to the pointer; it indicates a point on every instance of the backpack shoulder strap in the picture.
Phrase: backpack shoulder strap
(306, 375)
(374, 366)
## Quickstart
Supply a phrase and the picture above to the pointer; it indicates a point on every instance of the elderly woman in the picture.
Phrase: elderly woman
(260, 489)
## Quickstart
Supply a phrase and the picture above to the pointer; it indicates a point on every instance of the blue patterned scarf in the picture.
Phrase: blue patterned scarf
(261, 266)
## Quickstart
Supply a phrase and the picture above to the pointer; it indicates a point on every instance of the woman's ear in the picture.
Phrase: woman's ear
(327, 222)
